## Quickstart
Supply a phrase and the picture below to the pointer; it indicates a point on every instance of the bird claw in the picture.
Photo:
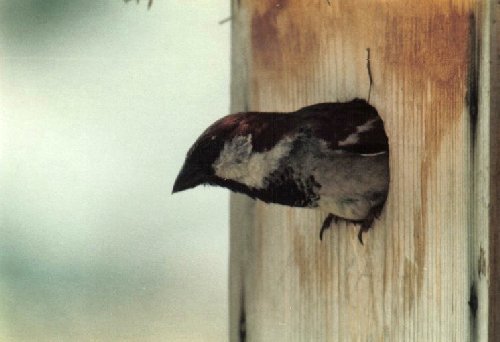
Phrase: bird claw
(360, 236)
(326, 224)
(364, 226)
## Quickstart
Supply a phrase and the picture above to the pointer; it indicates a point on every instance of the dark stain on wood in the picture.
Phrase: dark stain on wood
(473, 76)
(265, 36)
(280, 48)
(481, 263)
(473, 306)
(430, 51)
(473, 301)
(242, 329)
(432, 54)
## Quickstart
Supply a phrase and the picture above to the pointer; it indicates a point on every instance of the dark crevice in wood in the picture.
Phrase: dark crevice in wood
(243, 319)
(473, 302)
(471, 100)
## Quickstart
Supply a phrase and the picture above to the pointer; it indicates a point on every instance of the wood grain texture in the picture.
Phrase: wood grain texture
(412, 279)
(241, 207)
(491, 93)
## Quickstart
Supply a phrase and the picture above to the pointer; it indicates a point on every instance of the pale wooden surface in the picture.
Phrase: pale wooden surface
(411, 281)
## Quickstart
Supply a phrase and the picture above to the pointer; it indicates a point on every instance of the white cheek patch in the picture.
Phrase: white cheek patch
(238, 163)
(354, 137)
(232, 161)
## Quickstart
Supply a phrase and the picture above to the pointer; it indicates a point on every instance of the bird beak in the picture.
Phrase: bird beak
(188, 178)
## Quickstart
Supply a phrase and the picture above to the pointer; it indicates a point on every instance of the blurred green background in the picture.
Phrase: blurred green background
(99, 102)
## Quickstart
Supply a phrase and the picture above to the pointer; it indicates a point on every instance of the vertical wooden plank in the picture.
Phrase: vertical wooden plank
(241, 208)
(491, 260)
(481, 136)
(412, 280)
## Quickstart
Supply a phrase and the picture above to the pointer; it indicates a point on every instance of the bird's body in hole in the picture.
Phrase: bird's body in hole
(329, 156)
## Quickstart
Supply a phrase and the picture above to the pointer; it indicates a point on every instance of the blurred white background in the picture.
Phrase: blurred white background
(99, 102)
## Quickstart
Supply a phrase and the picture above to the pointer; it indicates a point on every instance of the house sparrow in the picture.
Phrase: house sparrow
(329, 156)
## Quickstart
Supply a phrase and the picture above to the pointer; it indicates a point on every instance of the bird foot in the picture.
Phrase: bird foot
(365, 226)
(326, 224)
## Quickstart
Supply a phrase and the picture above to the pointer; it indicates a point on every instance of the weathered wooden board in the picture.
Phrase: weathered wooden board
(413, 278)
(491, 97)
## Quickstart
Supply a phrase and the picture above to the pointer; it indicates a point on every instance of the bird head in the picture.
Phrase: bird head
(200, 163)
